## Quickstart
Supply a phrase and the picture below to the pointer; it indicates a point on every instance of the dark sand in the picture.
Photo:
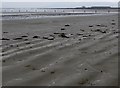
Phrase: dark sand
(61, 51)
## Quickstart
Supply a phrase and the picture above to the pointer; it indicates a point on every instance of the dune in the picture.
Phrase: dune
(61, 51)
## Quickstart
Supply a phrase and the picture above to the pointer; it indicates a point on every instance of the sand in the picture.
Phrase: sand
(61, 51)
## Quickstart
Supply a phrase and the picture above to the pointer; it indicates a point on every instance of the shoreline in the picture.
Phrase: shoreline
(38, 16)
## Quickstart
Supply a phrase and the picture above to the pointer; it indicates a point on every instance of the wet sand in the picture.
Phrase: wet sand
(61, 51)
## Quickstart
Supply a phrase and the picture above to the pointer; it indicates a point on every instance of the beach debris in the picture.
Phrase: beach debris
(5, 39)
(101, 71)
(83, 81)
(67, 25)
(64, 35)
(3, 54)
(28, 66)
(52, 35)
(5, 32)
(90, 25)
(92, 84)
(84, 36)
(11, 45)
(101, 25)
(56, 33)
(19, 38)
(82, 30)
(85, 68)
(36, 36)
(34, 68)
(49, 37)
(24, 36)
(79, 33)
(3, 61)
(100, 30)
(117, 36)
(42, 70)
(19, 60)
(30, 46)
(98, 25)
(27, 42)
(52, 72)
(113, 23)
(113, 20)
(3, 51)
(62, 28)
(25, 39)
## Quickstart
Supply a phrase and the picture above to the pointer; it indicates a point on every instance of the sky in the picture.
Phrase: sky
(57, 3)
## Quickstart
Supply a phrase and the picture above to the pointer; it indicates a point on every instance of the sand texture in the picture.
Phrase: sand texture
(61, 51)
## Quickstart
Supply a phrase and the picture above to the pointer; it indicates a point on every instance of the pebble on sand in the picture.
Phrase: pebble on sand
(63, 35)
(24, 36)
(5, 32)
(113, 23)
(101, 25)
(28, 66)
(42, 70)
(17, 38)
(82, 30)
(67, 25)
(28, 43)
(62, 28)
(3, 61)
(52, 72)
(35, 36)
(48, 37)
(5, 39)
(90, 25)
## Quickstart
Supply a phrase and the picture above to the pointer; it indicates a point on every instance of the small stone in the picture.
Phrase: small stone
(82, 30)
(5, 32)
(25, 39)
(11, 45)
(52, 72)
(28, 43)
(42, 70)
(113, 23)
(98, 25)
(33, 68)
(62, 28)
(90, 25)
(3, 54)
(30, 46)
(5, 39)
(67, 25)
(24, 36)
(27, 65)
(17, 38)
(35, 36)
(3, 61)
(113, 20)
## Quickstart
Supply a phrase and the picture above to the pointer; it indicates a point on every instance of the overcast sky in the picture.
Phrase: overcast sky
(57, 3)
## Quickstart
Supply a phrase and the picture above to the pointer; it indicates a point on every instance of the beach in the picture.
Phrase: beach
(60, 51)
